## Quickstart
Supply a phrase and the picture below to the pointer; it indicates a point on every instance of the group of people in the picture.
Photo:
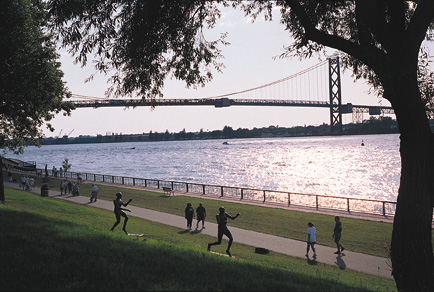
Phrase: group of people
(189, 215)
(311, 237)
(56, 172)
(222, 220)
(27, 183)
(68, 187)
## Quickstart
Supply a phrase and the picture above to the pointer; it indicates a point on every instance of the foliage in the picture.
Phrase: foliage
(66, 165)
(31, 86)
(141, 42)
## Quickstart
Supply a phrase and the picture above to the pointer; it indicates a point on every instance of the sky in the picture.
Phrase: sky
(249, 62)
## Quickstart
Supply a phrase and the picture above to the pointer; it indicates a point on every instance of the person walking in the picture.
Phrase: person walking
(62, 186)
(69, 185)
(119, 211)
(201, 214)
(189, 215)
(94, 194)
(222, 220)
(75, 190)
(337, 234)
(23, 182)
(311, 239)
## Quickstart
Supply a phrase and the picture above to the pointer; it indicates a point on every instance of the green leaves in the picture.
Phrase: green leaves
(31, 86)
(141, 43)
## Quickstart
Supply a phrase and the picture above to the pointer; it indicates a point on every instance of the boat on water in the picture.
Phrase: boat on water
(225, 143)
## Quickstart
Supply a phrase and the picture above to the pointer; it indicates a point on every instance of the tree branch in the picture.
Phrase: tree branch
(419, 24)
(332, 41)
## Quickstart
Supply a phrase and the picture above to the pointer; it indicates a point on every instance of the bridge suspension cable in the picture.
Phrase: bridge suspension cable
(310, 84)
(297, 86)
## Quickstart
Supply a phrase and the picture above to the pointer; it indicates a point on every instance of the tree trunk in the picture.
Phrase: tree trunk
(2, 188)
(411, 247)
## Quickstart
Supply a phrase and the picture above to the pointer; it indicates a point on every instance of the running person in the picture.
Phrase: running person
(222, 220)
(119, 211)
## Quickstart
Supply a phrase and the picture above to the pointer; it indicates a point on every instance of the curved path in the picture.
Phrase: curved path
(368, 264)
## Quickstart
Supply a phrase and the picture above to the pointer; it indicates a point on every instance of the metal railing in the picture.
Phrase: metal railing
(354, 205)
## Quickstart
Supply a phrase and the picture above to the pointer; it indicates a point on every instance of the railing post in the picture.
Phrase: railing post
(123, 180)
(103, 178)
(134, 181)
(186, 187)
(221, 191)
(171, 184)
(94, 177)
(242, 194)
(146, 183)
(316, 197)
(384, 208)
(348, 205)
(86, 176)
(289, 199)
(264, 196)
(203, 189)
(113, 179)
(158, 184)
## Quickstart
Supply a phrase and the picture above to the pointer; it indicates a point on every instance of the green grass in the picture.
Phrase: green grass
(364, 236)
(50, 244)
(369, 237)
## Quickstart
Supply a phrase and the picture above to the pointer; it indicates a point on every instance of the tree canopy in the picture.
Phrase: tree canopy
(31, 86)
(141, 43)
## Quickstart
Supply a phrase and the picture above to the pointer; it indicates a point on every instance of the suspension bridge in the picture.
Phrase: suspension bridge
(317, 86)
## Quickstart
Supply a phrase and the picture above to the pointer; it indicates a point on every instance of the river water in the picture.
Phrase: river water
(333, 166)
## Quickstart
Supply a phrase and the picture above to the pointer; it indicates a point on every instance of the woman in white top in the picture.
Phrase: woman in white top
(311, 239)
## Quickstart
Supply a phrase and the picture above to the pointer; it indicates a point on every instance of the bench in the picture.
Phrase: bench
(168, 191)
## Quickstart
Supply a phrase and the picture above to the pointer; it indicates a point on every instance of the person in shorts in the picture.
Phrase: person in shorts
(311, 239)
(119, 211)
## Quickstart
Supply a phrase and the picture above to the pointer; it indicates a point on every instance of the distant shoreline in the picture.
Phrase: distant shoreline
(384, 125)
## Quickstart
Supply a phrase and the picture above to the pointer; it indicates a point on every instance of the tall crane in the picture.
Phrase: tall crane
(70, 132)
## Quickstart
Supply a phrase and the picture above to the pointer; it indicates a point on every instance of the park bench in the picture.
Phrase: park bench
(168, 191)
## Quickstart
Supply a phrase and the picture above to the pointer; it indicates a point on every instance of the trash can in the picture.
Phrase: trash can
(44, 190)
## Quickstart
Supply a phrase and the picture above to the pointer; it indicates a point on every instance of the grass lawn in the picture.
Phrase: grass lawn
(50, 244)
(369, 237)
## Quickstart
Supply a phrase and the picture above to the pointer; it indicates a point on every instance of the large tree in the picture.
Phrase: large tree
(143, 42)
(31, 86)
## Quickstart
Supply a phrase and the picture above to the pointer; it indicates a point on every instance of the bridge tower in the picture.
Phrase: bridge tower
(335, 96)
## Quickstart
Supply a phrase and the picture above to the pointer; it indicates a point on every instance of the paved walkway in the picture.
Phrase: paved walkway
(368, 264)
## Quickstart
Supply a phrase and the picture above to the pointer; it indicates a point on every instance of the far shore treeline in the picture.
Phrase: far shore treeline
(381, 125)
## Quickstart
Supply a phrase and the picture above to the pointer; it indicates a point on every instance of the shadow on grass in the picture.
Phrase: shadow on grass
(40, 253)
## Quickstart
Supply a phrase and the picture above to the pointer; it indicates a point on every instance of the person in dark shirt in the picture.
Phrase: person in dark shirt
(337, 234)
(119, 211)
(189, 215)
(201, 214)
(222, 220)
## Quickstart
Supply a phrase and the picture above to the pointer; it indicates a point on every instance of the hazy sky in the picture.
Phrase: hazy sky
(249, 63)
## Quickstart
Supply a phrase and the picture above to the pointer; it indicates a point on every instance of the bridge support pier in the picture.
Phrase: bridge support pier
(335, 96)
